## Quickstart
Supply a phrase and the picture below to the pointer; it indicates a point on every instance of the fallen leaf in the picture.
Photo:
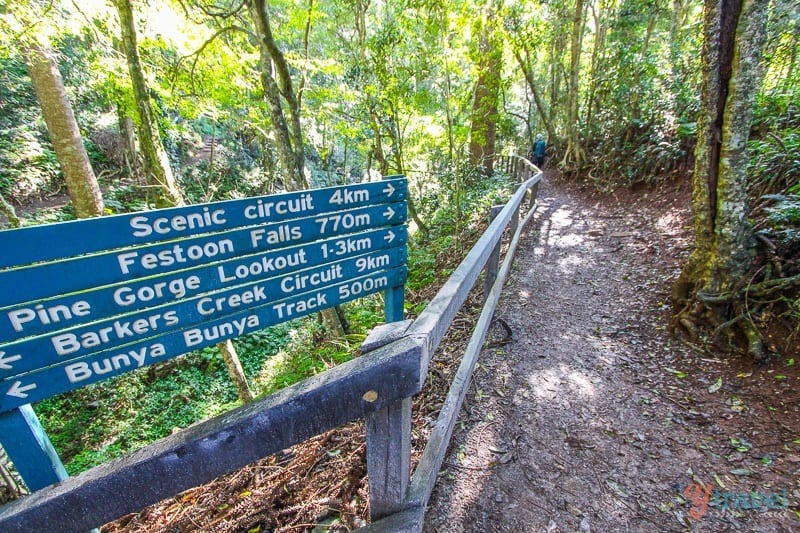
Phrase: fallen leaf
(715, 386)
(678, 373)
(741, 472)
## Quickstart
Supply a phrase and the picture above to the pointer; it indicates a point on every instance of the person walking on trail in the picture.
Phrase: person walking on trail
(538, 151)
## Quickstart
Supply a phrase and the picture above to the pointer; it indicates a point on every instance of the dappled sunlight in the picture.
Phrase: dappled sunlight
(566, 240)
(564, 233)
(551, 383)
(581, 384)
(568, 263)
(671, 222)
(561, 218)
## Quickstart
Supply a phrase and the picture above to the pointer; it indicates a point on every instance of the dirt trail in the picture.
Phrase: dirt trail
(593, 418)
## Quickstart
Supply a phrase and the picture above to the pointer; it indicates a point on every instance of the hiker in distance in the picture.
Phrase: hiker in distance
(539, 148)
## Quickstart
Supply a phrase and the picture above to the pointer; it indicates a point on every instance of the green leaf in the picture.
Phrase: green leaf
(715, 386)
(678, 373)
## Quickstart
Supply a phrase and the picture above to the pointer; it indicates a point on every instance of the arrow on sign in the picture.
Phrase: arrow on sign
(20, 391)
(389, 237)
(389, 213)
(389, 190)
(11, 358)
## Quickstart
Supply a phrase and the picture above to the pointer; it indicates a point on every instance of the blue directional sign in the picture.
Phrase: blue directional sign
(47, 315)
(46, 382)
(67, 239)
(66, 344)
(19, 285)
(87, 300)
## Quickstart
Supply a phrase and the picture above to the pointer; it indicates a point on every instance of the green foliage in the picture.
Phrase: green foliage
(642, 154)
(454, 221)
(100, 422)
(27, 162)
(390, 85)
(783, 215)
(774, 165)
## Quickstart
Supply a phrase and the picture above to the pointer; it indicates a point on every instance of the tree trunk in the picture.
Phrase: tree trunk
(527, 71)
(598, 53)
(289, 139)
(8, 210)
(637, 77)
(156, 163)
(486, 98)
(127, 132)
(707, 288)
(574, 155)
(63, 129)
(289, 135)
(235, 370)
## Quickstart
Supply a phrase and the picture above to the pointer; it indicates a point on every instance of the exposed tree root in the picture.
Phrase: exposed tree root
(713, 310)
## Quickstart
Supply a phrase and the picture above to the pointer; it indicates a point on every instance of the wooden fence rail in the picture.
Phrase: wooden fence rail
(377, 386)
(433, 323)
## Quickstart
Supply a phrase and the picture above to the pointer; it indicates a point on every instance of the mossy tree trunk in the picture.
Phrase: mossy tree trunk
(574, 155)
(527, 70)
(157, 169)
(279, 94)
(63, 129)
(8, 210)
(486, 97)
(706, 291)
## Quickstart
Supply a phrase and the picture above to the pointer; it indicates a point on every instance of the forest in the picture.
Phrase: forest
(121, 106)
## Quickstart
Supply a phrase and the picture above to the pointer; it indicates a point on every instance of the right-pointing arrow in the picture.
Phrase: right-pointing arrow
(389, 237)
(389, 213)
(19, 391)
(4, 361)
(389, 190)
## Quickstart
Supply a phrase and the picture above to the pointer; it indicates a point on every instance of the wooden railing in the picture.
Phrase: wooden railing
(378, 386)
(437, 317)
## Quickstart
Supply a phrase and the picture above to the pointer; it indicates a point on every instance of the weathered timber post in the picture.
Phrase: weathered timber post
(389, 438)
(493, 263)
(534, 191)
(514, 224)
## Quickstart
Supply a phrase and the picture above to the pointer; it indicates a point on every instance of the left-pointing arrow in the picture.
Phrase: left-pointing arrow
(5, 360)
(20, 391)
(389, 213)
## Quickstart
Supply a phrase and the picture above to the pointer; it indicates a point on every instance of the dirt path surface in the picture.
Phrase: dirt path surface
(593, 417)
